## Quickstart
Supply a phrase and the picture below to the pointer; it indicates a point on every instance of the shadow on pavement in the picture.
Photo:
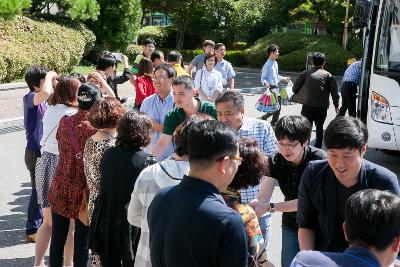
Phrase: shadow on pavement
(19, 262)
(12, 226)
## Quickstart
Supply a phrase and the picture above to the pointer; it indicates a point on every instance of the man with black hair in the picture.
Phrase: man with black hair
(41, 82)
(286, 167)
(157, 57)
(175, 59)
(106, 67)
(372, 228)
(327, 184)
(186, 105)
(190, 223)
(313, 88)
(149, 46)
(270, 79)
(159, 104)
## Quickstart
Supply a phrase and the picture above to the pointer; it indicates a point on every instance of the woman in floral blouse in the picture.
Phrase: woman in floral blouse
(253, 166)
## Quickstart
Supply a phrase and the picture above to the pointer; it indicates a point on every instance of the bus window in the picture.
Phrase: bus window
(388, 53)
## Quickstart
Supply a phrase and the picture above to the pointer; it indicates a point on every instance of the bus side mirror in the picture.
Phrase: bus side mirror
(360, 16)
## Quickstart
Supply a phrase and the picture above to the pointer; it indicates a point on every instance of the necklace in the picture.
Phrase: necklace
(102, 131)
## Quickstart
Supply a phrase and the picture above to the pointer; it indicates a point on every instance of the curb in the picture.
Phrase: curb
(13, 86)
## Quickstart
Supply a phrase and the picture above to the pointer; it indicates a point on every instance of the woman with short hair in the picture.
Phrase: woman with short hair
(144, 83)
(104, 116)
(252, 167)
(111, 236)
(208, 81)
(63, 102)
(68, 191)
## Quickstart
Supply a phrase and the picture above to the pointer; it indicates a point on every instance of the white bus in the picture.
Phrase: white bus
(379, 95)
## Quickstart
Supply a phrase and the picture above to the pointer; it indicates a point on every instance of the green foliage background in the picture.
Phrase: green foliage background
(25, 42)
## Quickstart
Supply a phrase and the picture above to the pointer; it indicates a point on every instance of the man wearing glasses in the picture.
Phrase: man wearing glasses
(286, 167)
(159, 104)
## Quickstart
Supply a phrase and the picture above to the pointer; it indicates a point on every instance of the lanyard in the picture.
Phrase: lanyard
(372, 264)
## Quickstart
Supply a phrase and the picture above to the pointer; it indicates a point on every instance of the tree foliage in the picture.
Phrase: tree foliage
(11, 8)
(118, 23)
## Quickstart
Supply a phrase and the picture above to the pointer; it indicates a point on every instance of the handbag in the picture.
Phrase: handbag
(83, 212)
(286, 93)
(268, 103)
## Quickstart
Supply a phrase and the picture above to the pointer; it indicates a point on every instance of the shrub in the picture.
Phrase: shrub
(293, 49)
(26, 42)
(239, 45)
(132, 51)
(158, 33)
(11, 8)
(236, 58)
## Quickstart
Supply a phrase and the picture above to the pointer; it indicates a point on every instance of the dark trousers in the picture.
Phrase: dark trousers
(349, 96)
(59, 236)
(125, 263)
(35, 215)
(275, 115)
(317, 116)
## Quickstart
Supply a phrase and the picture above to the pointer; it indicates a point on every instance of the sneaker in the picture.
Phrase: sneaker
(31, 238)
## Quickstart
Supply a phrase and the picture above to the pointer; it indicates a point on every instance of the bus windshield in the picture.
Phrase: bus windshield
(388, 43)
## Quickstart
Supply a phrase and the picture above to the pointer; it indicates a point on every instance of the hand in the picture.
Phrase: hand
(286, 79)
(125, 60)
(53, 76)
(259, 207)
(337, 109)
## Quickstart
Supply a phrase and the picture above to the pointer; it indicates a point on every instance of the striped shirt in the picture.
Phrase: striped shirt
(150, 181)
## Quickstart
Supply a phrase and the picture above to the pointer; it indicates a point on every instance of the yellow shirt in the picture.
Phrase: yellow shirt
(179, 70)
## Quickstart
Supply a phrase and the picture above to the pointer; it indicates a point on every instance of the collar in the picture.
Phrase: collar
(176, 65)
(166, 100)
(245, 124)
(362, 254)
(200, 185)
(220, 62)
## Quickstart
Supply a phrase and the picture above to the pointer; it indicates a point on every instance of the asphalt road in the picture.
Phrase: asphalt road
(15, 186)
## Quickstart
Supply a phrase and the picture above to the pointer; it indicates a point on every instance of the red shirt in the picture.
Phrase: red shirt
(144, 88)
(69, 179)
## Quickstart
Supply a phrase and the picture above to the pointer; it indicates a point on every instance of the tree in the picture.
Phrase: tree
(75, 9)
(11, 8)
(118, 23)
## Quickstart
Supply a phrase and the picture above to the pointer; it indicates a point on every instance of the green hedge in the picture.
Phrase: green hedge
(25, 42)
(158, 33)
(293, 49)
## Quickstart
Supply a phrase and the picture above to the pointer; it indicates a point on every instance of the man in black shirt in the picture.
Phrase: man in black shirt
(190, 224)
(327, 184)
(286, 167)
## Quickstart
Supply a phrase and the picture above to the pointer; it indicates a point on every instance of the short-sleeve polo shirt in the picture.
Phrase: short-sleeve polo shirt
(176, 116)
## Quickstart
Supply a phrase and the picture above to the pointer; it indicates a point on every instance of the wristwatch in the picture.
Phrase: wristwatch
(271, 207)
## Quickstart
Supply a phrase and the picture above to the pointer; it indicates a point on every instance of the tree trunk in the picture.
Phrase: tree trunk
(182, 25)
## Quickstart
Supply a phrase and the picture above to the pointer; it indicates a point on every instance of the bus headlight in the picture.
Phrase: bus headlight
(380, 109)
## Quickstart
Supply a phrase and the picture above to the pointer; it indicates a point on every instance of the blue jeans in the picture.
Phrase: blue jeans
(35, 215)
(290, 246)
(265, 226)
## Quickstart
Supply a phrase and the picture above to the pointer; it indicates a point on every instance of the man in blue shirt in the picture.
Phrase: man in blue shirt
(372, 228)
(351, 79)
(159, 104)
(327, 184)
(225, 67)
(190, 224)
(270, 79)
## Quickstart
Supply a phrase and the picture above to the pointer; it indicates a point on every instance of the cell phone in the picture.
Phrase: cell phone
(118, 56)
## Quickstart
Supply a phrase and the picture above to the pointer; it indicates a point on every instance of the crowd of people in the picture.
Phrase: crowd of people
(186, 179)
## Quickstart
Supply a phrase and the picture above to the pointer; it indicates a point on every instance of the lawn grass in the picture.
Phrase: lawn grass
(85, 70)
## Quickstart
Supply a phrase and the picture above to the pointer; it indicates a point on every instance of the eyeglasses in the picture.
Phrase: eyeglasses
(290, 146)
(159, 78)
(238, 159)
